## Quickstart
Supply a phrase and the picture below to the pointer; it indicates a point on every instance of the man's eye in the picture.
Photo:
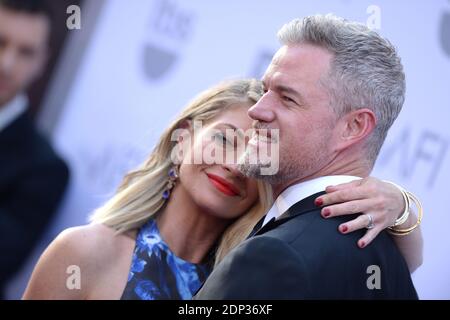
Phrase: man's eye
(285, 98)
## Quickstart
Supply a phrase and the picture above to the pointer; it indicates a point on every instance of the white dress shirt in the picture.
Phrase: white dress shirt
(12, 110)
(302, 190)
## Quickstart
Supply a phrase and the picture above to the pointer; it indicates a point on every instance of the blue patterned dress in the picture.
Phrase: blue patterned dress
(156, 273)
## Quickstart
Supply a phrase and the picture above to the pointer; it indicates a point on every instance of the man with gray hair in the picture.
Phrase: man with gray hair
(333, 90)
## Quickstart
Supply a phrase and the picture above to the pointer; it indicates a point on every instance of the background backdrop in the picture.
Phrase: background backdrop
(135, 64)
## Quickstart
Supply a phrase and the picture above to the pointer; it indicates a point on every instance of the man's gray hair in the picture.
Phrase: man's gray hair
(366, 71)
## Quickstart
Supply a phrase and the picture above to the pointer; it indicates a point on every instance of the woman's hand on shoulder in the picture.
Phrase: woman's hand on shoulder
(381, 200)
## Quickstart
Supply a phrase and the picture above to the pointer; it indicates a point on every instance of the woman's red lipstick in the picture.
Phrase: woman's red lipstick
(223, 185)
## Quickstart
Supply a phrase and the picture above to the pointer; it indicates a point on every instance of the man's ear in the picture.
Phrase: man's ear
(40, 65)
(355, 127)
(43, 62)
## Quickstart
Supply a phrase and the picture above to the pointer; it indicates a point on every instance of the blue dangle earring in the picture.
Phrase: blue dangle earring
(173, 176)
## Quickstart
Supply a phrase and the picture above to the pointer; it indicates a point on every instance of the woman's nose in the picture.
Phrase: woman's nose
(234, 170)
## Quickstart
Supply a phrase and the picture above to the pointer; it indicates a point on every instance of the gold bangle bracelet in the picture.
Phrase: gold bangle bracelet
(405, 213)
(403, 232)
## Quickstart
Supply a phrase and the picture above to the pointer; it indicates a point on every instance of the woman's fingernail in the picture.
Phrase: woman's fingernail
(318, 202)
(326, 212)
(344, 229)
(362, 244)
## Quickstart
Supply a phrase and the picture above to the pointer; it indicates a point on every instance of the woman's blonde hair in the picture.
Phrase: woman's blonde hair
(139, 197)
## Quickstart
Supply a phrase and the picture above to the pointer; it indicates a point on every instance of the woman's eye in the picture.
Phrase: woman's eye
(221, 139)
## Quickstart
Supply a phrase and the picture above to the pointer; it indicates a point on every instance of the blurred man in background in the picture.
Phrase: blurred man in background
(32, 177)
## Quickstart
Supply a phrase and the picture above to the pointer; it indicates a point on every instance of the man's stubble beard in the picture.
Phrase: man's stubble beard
(291, 168)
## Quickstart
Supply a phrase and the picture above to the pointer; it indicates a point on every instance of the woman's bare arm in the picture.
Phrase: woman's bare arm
(385, 203)
(63, 271)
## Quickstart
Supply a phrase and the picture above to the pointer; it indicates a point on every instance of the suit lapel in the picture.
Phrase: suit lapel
(303, 206)
(257, 226)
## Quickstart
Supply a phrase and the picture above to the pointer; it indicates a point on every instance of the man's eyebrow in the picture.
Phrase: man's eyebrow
(264, 84)
(286, 89)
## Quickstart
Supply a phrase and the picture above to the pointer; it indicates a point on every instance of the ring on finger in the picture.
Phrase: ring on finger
(370, 224)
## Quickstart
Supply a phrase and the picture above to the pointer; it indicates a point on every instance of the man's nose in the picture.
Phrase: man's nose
(7, 60)
(262, 110)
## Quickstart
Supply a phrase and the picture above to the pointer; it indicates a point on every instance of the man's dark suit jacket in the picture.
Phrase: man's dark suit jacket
(32, 181)
(300, 255)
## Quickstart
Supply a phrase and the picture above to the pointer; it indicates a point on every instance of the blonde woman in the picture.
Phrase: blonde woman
(161, 234)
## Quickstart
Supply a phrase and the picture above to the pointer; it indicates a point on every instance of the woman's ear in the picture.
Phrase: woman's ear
(185, 124)
(355, 127)
(182, 136)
